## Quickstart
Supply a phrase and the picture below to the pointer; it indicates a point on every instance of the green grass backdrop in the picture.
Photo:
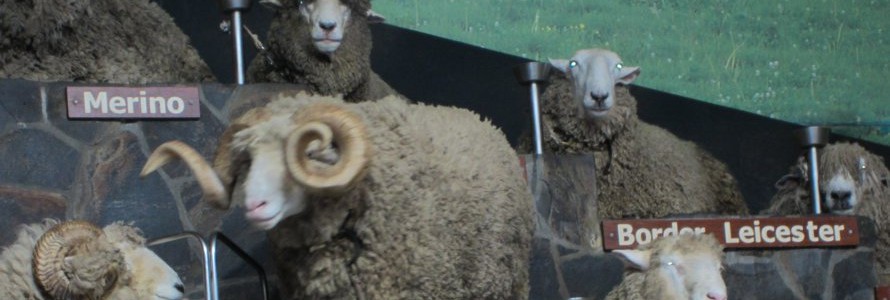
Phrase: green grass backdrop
(813, 62)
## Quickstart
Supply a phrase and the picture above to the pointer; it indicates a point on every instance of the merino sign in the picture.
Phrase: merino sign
(774, 232)
(133, 102)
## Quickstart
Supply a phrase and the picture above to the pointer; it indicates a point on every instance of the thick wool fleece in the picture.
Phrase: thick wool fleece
(294, 58)
(104, 41)
(650, 173)
(441, 214)
(16, 263)
(793, 197)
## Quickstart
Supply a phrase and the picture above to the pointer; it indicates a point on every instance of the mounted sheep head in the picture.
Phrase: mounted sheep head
(594, 73)
(686, 266)
(850, 178)
(322, 149)
(328, 19)
(77, 260)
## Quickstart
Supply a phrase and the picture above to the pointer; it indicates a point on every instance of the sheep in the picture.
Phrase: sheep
(100, 41)
(324, 44)
(678, 267)
(852, 181)
(373, 200)
(646, 172)
(78, 260)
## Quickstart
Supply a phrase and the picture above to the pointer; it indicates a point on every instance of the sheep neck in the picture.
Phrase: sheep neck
(566, 132)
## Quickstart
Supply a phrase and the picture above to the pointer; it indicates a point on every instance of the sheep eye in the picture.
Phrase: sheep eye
(619, 66)
(573, 64)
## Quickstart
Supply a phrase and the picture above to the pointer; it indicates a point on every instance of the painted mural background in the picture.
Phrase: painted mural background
(812, 62)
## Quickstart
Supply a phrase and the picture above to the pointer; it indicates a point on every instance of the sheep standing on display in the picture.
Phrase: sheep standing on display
(108, 41)
(679, 267)
(77, 260)
(324, 44)
(852, 181)
(645, 171)
(374, 200)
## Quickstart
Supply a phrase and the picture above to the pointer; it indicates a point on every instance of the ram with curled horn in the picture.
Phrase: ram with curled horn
(78, 260)
(376, 195)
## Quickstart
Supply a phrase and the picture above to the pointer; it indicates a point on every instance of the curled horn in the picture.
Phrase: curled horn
(216, 181)
(87, 276)
(328, 124)
(214, 190)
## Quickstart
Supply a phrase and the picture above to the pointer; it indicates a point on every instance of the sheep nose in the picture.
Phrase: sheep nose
(840, 195)
(254, 205)
(327, 26)
(716, 296)
(179, 287)
(599, 98)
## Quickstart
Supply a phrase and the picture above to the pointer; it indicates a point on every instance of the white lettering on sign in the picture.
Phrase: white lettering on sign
(131, 105)
(735, 232)
(627, 235)
(122, 102)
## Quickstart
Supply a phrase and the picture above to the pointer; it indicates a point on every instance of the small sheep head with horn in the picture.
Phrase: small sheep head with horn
(283, 152)
(77, 260)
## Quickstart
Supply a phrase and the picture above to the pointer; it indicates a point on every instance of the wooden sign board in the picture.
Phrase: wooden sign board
(882, 293)
(116, 102)
(771, 232)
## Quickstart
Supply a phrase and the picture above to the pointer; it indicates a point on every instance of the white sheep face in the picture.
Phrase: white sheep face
(594, 73)
(840, 195)
(270, 195)
(328, 19)
(152, 278)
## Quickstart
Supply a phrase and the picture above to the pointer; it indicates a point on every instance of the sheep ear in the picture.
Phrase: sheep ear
(788, 181)
(374, 17)
(560, 64)
(628, 75)
(637, 259)
(271, 4)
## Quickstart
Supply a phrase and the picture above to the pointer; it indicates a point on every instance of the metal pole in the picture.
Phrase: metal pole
(536, 119)
(813, 158)
(235, 7)
(239, 52)
(208, 282)
(219, 236)
(812, 138)
(532, 73)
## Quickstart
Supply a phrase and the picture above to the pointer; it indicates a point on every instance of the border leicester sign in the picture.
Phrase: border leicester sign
(772, 232)
(115, 102)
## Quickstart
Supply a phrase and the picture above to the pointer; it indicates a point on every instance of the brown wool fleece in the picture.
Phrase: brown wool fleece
(441, 214)
(651, 173)
(793, 197)
(296, 60)
(102, 41)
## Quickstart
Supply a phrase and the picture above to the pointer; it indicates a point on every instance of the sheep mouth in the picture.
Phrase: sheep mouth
(327, 45)
(264, 223)
(326, 41)
(168, 297)
(596, 112)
